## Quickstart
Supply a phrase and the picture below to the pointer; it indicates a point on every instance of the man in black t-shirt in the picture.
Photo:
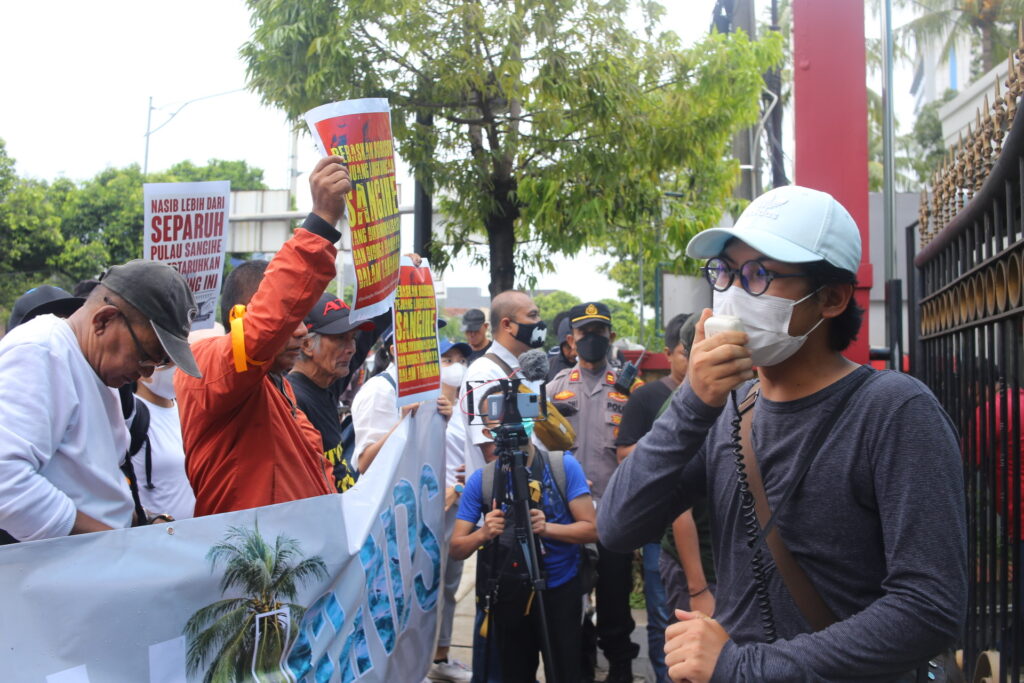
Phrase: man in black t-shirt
(324, 358)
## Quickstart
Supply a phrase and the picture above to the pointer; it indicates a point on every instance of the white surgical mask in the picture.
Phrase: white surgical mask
(162, 383)
(766, 320)
(452, 374)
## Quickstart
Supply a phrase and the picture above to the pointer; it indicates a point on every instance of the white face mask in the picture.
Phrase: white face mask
(766, 319)
(452, 374)
(162, 383)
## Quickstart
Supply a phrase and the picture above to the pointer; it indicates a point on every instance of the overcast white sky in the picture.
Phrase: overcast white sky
(77, 76)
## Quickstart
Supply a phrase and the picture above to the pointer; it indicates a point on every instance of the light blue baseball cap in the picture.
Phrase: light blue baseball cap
(791, 224)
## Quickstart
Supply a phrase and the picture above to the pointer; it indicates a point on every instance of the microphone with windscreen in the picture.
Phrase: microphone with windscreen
(534, 365)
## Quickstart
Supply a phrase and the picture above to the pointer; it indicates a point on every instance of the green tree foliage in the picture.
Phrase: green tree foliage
(63, 232)
(550, 305)
(553, 126)
(268, 577)
(989, 24)
(241, 175)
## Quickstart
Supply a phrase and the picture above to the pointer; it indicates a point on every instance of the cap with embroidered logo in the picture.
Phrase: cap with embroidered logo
(331, 315)
(791, 224)
(594, 311)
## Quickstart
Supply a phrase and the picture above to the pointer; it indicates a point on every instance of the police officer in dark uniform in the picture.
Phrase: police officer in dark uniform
(587, 396)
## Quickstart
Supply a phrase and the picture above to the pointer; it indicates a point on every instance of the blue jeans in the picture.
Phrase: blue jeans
(657, 611)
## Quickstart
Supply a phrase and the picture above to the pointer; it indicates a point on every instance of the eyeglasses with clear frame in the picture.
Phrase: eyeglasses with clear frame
(755, 278)
(146, 361)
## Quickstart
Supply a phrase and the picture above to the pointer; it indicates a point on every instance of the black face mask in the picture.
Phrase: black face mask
(592, 347)
(531, 334)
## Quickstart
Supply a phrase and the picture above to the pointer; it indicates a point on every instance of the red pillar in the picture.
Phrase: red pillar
(830, 119)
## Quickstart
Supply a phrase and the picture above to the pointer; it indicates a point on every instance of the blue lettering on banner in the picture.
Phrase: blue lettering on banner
(378, 597)
(404, 495)
(427, 595)
(355, 641)
(387, 518)
(355, 658)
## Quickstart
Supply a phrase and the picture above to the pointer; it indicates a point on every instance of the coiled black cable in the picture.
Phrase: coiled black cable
(753, 529)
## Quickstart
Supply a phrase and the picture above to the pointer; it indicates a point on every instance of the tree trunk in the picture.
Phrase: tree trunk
(501, 237)
(988, 49)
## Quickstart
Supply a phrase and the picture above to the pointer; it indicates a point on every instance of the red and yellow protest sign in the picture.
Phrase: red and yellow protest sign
(359, 131)
(186, 227)
(415, 324)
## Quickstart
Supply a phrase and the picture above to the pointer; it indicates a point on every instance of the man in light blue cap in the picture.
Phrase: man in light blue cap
(829, 484)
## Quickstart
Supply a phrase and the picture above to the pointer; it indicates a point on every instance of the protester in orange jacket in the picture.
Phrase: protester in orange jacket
(246, 442)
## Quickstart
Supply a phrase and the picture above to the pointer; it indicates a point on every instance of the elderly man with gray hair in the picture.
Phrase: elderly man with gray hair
(60, 451)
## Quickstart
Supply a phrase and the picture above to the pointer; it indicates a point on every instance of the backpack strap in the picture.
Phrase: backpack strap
(506, 368)
(487, 485)
(390, 379)
(556, 460)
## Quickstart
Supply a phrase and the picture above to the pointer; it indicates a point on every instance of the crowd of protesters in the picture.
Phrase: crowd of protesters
(831, 572)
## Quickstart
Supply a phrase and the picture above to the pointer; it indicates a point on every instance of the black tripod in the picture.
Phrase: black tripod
(509, 439)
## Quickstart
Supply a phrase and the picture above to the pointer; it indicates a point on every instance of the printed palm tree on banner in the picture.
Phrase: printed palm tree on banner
(243, 636)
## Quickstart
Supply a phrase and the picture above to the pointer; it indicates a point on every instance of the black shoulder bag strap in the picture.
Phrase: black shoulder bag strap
(806, 597)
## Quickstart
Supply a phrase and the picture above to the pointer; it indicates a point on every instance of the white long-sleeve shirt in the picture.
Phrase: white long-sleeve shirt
(374, 411)
(62, 436)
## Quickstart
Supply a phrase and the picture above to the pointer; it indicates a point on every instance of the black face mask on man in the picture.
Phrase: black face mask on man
(592, 347)
(531, 334)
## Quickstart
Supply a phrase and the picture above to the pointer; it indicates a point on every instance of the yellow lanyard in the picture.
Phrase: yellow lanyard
(238, 340)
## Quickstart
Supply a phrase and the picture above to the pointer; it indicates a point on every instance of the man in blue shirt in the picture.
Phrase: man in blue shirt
(563, 520)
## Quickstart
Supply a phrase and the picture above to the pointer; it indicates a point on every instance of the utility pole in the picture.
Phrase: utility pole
(423, 205)
(732, 15)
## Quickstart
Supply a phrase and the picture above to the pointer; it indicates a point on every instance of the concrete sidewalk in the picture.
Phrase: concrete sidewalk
(465, 611)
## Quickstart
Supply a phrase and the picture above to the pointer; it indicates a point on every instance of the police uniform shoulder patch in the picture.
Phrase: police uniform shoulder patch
(609, 378)
(637, 383)
(574, 375)
(616, 396)
(564, 395)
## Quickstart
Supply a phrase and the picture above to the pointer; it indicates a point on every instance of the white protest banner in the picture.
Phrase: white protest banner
(359, 131)
(186, 227)
(353, 592)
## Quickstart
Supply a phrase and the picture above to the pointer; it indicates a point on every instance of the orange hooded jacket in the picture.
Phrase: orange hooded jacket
(246, 442)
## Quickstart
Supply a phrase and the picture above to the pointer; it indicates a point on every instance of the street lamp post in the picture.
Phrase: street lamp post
(149, 120)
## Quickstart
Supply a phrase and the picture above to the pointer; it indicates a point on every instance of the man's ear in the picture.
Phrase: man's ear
(611, 336)
(570, 339)
(835, 299)
(102, 318)
(487, 432)
(307, 345)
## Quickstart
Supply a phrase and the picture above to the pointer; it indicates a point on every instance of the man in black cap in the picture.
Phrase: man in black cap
(474, 326)
(561, 355)
(587, 396)
(59, 453)
(324, 358)
(40, 301)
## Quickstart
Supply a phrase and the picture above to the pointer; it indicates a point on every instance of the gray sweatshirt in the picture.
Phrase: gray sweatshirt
(877, 525)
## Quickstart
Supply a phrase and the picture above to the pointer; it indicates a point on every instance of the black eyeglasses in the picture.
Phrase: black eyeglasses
(146, 361)
(754, 277)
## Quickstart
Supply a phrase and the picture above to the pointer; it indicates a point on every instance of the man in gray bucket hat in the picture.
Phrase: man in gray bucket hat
(62, 429)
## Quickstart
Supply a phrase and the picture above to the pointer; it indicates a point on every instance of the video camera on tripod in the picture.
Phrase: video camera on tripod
(520, 489)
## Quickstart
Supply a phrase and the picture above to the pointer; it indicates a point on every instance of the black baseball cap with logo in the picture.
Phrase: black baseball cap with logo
(160, 293)
(331, 315)
(473, 320)
(40, 301)
(594, 311)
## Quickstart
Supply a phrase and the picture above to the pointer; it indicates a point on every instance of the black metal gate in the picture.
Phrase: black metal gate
(967, 344)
